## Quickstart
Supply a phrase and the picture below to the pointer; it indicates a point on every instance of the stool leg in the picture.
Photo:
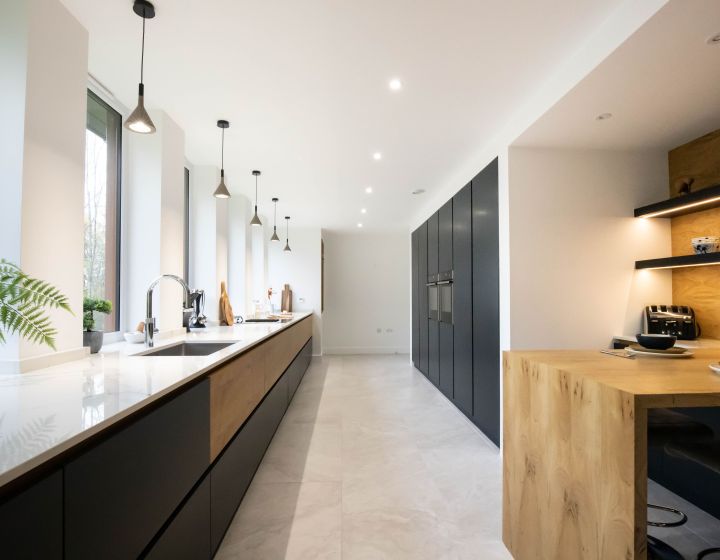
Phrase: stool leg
(704, 553)
(658, 550)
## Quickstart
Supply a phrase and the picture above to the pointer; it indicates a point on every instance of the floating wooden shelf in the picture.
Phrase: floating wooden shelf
(697, 201)
(679, 262)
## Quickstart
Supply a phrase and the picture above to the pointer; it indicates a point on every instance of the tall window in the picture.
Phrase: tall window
(102, 207)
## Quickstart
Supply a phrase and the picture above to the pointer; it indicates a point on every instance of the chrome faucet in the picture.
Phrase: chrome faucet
(150, 320)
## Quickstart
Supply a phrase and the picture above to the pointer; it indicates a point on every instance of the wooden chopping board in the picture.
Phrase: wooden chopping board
(226, 312)
(286, 299)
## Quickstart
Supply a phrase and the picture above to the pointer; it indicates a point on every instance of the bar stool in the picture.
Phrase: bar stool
(706, 454)
(665, 427)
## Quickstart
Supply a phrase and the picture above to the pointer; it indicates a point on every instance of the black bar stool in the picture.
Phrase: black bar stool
(665, 427)
(706, 454)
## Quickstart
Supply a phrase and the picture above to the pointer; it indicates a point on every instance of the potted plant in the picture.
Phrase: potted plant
(23, 304)
(91, 338)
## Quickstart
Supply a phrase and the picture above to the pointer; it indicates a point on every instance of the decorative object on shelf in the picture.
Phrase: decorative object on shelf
(275, 235)
(287, 234)
(270, 309)
(222, 190)
(139, 120)
(226, 312)
(695, 201)
(286, 299)
(256, 219)
(703, 245)
(92, 338)
(685, 185)
(23, 303)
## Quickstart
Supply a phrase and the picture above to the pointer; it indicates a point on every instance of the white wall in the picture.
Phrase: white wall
(301, 269)
(573, 244)
(42, 140)
(366, 291)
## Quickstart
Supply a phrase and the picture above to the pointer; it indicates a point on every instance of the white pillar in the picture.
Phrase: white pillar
(42, 159)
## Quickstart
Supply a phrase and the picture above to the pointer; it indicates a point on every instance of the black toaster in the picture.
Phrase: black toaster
(677, 320)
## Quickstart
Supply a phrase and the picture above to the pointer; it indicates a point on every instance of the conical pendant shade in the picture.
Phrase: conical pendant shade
(287, 234)
(274, 235)
(222, 190)
(287, 246)
(256, 219)
(139, 121)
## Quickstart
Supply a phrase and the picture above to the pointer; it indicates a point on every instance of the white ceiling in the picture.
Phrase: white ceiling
(304, 85)
(662, 87)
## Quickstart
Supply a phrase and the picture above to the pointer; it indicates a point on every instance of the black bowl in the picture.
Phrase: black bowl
(656, 341)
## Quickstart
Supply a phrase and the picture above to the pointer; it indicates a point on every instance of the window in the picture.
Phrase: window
(101, 275)
(186, 228)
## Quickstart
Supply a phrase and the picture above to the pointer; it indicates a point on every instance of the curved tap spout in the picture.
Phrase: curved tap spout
(150, 320)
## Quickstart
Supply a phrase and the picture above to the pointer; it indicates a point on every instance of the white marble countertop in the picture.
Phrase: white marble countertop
(47, 411)
(689, 344)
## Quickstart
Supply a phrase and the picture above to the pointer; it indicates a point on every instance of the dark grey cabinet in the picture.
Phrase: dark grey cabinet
(462, 300)
(486, 302)
(415, 296)
(423, 322)
(187, 537)
(433, 225)
(433, 325)
(119, 493)
(445, 327)
(31, 522)
(445, 237)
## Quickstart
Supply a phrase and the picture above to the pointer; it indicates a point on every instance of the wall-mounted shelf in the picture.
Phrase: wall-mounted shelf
(708, 259)
(697, 201)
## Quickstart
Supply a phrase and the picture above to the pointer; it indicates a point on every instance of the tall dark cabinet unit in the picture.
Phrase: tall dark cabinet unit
(462, 300)
(433, 325)
(423, 323)
(445, 325)
(414, 241)
(486, 302)
(457, 345)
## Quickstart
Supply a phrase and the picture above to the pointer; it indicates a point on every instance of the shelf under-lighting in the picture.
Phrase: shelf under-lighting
(697, 201)
(683, 261)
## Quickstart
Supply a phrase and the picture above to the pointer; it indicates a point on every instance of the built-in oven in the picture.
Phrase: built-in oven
(433, 303)
(445, 297)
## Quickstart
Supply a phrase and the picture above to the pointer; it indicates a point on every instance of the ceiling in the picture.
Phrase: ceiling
(305, 87)
(662, 87)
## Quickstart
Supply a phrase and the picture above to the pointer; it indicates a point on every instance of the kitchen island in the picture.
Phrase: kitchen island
(575, 447)
(122, 455)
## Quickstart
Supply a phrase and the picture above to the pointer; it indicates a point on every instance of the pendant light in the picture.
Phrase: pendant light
(275, 235)
(287, 234)
(256, 219)
(139, 120)
(222, 191)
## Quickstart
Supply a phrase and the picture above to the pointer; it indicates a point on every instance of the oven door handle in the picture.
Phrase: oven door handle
(444, 282)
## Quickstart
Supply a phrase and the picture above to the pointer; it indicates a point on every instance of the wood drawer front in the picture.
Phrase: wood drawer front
(235, 390)
(282, 348)
(119, 493)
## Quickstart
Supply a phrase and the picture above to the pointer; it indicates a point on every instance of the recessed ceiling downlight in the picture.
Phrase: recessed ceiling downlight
(418, 191)
(603, 116)
(713, 40)
(363, 210)
(360, 224)
(368, 190)
(377, 156)
(395, 84)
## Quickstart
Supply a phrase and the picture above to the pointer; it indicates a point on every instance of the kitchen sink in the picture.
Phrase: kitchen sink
(189, 349)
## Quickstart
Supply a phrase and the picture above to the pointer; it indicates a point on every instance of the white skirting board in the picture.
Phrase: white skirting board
(347, 350)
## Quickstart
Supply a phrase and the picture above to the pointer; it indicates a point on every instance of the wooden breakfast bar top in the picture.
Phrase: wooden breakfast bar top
(575, 447)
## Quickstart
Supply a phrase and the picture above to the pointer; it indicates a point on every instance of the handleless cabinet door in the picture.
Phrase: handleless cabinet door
(445, 237)
(31, 522)
(414, 282)
(462, 300)
(423, 323)
(119, 493)
(433, 244)
(486, 302)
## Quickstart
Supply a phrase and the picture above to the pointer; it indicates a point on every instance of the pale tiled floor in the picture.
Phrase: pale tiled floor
(371, 462)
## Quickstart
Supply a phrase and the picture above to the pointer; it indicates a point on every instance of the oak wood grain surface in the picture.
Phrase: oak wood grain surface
(575, 447)
(237, 387)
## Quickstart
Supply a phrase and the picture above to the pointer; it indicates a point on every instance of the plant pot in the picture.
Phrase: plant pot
(93, 339)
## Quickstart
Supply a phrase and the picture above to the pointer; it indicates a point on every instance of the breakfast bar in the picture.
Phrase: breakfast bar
(575, 447)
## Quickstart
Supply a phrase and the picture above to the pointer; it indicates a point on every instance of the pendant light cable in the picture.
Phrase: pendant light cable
(142, 50)
(222, 151)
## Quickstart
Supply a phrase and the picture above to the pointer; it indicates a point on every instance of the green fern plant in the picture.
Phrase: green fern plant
(23, 304)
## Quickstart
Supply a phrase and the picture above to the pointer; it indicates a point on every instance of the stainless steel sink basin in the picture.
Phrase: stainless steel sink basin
(189, 349)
